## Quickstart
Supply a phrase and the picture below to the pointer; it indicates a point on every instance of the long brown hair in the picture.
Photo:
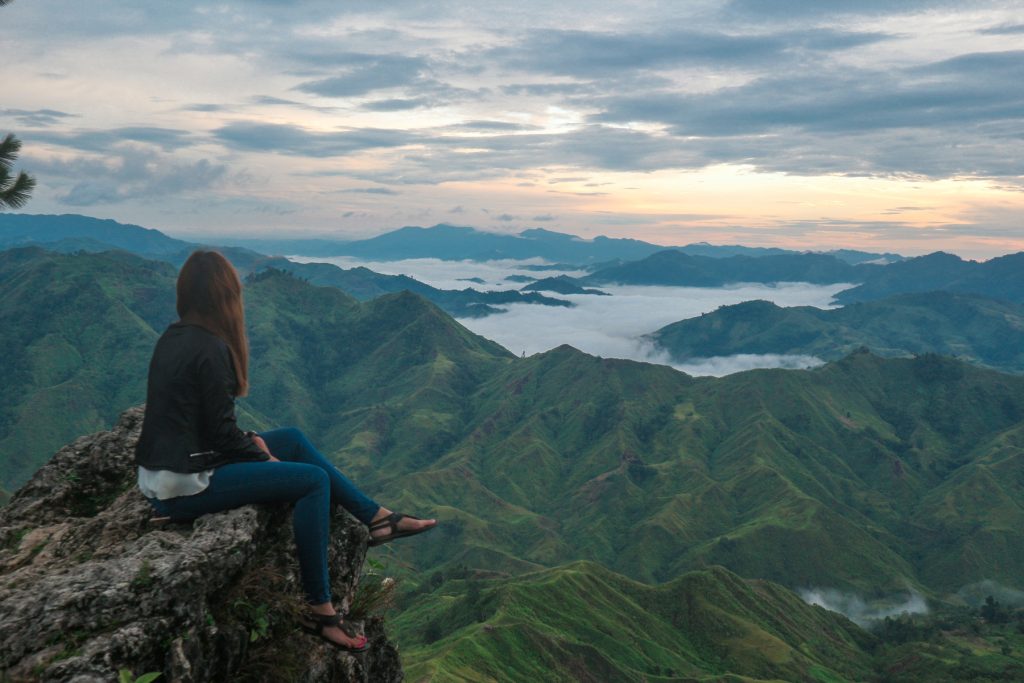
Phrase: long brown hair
(210, 295)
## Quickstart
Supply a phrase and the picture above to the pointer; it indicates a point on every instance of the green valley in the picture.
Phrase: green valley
(577, 494)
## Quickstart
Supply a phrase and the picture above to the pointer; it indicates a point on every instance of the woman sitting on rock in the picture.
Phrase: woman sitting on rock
(193, 459)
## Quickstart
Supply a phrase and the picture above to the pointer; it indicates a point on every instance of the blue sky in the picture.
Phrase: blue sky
(880, 125)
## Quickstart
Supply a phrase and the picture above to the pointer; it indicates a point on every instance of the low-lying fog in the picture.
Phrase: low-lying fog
(608, 326)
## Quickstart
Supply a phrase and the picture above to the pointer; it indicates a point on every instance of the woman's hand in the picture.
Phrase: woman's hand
(262, 445)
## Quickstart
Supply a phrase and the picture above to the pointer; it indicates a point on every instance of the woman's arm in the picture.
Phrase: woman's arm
(217, 391)
(260, 443)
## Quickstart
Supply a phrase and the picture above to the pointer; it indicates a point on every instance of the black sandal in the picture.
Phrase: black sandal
(324, 621)
(392, 521)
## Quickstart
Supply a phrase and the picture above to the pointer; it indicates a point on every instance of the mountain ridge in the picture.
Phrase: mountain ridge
(973, 327)
(868, 474)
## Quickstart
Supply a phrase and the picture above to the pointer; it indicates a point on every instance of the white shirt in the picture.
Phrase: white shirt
(164, 484)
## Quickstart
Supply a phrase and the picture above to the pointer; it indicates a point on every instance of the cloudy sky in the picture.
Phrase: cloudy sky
(856, 123)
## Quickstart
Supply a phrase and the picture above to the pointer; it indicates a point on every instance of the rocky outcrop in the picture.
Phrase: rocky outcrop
(90, 586)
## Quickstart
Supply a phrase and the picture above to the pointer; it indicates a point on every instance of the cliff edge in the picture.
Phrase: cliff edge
(90, 586)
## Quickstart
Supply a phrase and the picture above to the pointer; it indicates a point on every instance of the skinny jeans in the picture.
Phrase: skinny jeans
(303, 477)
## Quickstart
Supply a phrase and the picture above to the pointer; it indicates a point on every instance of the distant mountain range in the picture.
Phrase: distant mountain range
(72, 233)
(676, 268)
(453, 243)
(998, 278)
(868, 474)
(971, 327)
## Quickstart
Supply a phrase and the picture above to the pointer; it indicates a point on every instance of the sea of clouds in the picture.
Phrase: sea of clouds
(606, 326)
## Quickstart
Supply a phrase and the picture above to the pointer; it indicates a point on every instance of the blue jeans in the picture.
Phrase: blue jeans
(303, 477)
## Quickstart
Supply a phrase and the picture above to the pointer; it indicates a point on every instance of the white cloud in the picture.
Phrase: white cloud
(611, 326)
(862, 612)
(719, 366)
(477, 105)
(607, 326)
(449, 274)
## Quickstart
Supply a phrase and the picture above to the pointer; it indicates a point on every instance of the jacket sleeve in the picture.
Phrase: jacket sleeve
(220, 430)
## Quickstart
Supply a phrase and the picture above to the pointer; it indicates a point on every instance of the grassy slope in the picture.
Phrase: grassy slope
(76, 334)
(970, 327)
(391, 374)
(842, 476)
(583, 622)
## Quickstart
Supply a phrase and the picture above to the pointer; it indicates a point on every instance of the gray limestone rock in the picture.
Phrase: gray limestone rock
(89, 585)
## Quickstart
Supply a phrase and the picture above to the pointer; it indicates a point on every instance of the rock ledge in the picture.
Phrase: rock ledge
(90, 586)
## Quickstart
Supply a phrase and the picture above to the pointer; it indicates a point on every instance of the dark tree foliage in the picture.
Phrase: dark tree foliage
(993, 612)
(15, 190)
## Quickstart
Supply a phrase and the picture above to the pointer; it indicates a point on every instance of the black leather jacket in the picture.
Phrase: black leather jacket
(190, 405)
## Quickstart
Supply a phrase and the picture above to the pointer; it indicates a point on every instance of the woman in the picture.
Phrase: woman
(193, 459)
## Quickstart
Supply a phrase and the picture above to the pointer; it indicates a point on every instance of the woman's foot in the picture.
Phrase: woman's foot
(387, 525)
(325, 622)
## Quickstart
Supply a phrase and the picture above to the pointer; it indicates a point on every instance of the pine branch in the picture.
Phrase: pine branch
(9, 148)
(18, 194)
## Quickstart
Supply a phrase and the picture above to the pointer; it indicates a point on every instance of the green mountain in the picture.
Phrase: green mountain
(970, 327)
(999, 278)
(676, 268)
(583, 622)
(844, 476)
(388, 374)
(71, 232)
(76, 334)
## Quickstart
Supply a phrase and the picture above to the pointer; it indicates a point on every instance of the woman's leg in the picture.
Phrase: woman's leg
(242, 483)
(290, 444)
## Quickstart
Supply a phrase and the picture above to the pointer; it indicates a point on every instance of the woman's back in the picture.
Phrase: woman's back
(190, 413)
